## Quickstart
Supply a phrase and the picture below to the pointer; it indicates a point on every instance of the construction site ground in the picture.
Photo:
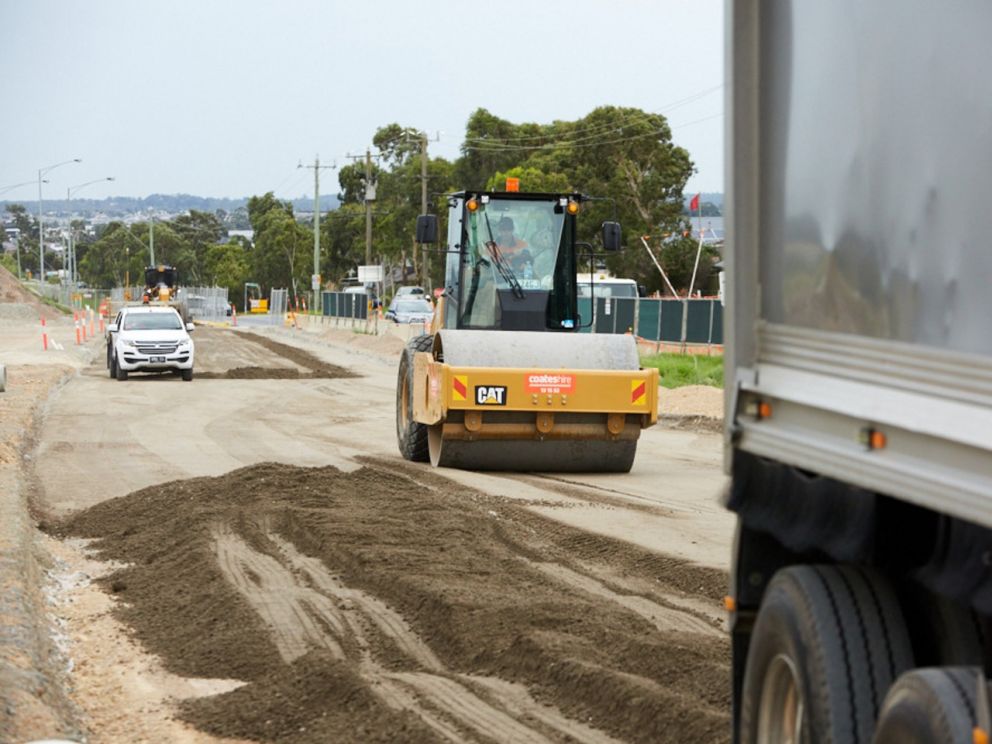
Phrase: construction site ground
(247, 558)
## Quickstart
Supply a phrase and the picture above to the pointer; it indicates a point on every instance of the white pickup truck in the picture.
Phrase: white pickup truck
(149, 339)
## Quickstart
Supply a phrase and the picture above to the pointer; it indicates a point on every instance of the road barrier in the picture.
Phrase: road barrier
(44, 335)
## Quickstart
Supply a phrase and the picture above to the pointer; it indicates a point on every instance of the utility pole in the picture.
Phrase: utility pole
(369, 198)
(315, 279)
(423, 139)
(151, 239)
(425, 264)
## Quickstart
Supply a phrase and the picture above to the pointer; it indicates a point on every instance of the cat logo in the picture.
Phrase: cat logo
(490, 395)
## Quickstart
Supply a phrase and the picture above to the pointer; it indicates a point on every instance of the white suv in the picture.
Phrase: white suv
(149, 339)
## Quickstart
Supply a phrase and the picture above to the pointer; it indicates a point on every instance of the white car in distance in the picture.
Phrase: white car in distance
(149, 339)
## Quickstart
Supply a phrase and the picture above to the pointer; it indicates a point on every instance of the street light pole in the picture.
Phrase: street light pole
(41, 225)
(73, 269)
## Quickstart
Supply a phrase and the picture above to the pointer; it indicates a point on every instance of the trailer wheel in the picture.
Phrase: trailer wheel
(930, 706)
(411, 436)
(827, 644)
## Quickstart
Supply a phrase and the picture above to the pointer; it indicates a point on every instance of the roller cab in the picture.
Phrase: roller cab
(505, 381)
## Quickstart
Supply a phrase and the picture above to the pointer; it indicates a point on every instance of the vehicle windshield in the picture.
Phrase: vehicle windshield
(152, 322)
(413, 306)
(509, 244)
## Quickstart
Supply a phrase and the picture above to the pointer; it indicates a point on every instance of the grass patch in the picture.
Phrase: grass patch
(678, 370)
(55, 304)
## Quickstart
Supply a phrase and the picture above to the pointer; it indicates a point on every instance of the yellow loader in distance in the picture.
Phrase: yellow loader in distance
(504, 380)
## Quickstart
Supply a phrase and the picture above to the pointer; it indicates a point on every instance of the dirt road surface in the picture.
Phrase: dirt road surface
(246, 557)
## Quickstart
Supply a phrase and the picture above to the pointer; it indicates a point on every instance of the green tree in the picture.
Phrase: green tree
(116, 257)
(27, 242)
(531, 179)
(623, 156)
(281, 246)
(227, 265)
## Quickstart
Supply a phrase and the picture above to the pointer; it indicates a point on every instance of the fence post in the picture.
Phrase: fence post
(709, 338)
(661, 306)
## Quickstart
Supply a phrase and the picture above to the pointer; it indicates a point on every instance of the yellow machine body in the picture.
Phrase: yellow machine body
(486, 396)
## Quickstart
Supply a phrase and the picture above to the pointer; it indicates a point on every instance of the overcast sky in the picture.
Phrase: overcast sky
(224, 97)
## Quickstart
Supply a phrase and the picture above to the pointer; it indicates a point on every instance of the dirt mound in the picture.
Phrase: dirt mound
(391, 604)
(313, 368)
(303, 358)
(262, 373)
(12, 292)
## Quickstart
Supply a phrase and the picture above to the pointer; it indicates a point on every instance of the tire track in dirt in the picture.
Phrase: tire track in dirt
(664, 618)
(278, 590)
(287, 608)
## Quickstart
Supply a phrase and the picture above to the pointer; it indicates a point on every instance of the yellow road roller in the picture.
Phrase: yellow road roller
(505, 380)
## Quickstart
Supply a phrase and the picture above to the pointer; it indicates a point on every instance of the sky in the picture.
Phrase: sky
(224, 98)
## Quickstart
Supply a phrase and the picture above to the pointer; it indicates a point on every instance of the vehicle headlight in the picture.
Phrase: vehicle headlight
(129, 342)
(183, 344)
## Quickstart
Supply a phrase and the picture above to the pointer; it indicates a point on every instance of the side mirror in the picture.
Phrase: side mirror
(611, 236)
(427, 228)
(190, 327)
(111, 328)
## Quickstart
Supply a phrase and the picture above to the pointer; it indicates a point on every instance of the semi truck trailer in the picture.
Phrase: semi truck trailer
(859, 369)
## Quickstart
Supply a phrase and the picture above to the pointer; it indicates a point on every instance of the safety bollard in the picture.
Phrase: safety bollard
(75, 323)
(234, 316)
(44, 335)
(90, 310)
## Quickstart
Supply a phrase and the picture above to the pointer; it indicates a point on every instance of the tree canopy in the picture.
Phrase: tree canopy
(622, 157)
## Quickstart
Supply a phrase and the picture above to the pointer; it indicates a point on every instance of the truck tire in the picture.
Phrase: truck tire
(121, 373)
(930, 706)
(187, 375)
(827, 644)
(410, 435)
(112, 365)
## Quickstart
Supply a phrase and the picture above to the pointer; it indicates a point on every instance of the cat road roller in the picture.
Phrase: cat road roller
(504, 380)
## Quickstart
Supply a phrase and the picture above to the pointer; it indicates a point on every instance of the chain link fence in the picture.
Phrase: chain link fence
(204, 303)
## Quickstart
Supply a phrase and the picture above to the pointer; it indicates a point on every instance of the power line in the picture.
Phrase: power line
(635, 118)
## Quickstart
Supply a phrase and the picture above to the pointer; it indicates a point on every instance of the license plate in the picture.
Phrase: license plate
(157, 360)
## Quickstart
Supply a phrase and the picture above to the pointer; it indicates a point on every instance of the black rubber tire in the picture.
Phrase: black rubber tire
(187, 375)
(842, 631)
(112, 366)
(410, 435)
(121, 374)
(930, 706)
